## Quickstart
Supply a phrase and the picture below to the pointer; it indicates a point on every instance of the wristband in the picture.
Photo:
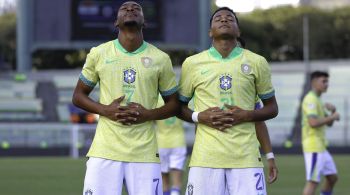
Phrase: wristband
(195, 117)
(270, 156)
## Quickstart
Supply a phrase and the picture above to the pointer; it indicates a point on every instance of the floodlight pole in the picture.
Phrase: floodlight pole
(306, 49)
(204, 16)
(24, 35)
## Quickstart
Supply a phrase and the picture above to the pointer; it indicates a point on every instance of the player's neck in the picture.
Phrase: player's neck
(224, 46)
(130, 40)
(317, 92)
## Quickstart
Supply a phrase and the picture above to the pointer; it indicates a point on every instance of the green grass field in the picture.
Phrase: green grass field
(57, 176)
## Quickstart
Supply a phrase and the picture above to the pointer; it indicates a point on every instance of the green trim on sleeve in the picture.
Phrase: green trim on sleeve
(169, 92)
(267, 96)
(184, 98)
(86, 81)
(312, 116)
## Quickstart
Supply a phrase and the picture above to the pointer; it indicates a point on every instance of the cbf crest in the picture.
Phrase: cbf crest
(225, 82)
(129, 75)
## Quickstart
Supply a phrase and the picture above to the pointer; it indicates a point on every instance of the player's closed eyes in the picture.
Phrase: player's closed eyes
(134, 7)
(228, 17)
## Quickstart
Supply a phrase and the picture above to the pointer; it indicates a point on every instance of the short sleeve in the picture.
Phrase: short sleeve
(89, 74)
(186, 84)
(167, 80)
(310, 107)
(263, 80)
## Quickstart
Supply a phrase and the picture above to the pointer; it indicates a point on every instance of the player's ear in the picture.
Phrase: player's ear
(210, 34)
(116, 23)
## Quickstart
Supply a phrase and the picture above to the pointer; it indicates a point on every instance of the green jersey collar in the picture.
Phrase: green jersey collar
(139, 50)
(234, 53)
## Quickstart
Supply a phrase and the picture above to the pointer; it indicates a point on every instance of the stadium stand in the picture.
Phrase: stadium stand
(288, 87)
(338, 95)
(45, 97)
(19, 102)
(66, 110)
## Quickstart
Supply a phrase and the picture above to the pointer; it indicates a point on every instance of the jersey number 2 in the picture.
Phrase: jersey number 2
(260, 181)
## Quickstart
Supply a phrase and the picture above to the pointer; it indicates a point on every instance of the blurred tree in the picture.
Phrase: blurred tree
(274, 33)
(277, 33)
(59, 59)
(8, 39)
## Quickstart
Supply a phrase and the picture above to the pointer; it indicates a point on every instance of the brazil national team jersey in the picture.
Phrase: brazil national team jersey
(140, 76)
(170, 132)
(213, 81)
(313, 139)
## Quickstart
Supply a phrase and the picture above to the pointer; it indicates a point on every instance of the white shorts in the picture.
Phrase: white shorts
(247, 181)
(172, 158)
(317, 164)
(106, 177)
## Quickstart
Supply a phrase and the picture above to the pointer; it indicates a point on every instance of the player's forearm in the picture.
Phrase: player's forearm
(263, 137)
(269, 111)
(169, 109)
(319, 122)
(85, 102)
(185, 113)
(263, 114)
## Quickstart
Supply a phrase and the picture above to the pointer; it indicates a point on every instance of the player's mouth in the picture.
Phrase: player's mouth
(224, 26)
(130, 15)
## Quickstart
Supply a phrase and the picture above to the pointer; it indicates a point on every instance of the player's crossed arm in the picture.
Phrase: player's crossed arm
(213, 117)
(135, 113)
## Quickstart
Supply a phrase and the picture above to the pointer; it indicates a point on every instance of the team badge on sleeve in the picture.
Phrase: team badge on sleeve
(246, 68)
(311, 106)
(226, 82)
(129, 75)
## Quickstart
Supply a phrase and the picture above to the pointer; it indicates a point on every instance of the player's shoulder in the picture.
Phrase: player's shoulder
(156, 51)
(254, 57)
(310, 97)
(196, 58)
(102, 48)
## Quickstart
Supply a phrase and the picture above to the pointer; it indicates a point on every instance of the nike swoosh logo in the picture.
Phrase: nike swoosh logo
(110, 61)
(204, 72)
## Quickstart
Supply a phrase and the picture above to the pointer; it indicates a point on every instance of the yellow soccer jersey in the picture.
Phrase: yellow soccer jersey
(313, 139)
(170, 132)
(213, 81)
(140, 76)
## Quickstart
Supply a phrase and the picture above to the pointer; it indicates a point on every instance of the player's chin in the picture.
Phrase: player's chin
(225, 34)
(130, 23)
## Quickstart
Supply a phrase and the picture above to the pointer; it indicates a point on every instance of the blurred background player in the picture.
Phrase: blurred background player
(132, 73)
(318, 160)
(226, 76)
(172, 152)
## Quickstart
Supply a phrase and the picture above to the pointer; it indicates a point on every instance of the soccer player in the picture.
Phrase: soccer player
(172, 152)
(224, 82)
(318, 160)
(131, 73)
